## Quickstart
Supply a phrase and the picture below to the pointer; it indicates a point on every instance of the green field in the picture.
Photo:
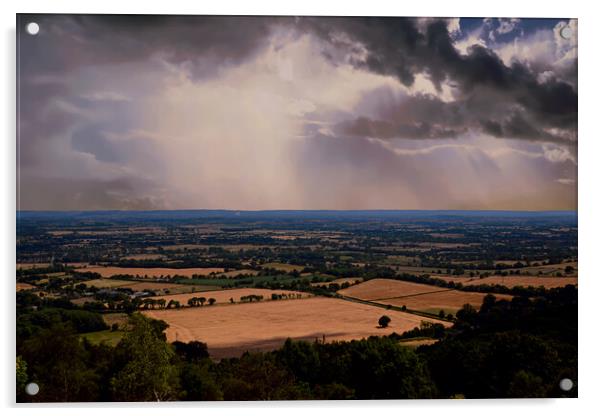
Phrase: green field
(107, 336)
(244, 282)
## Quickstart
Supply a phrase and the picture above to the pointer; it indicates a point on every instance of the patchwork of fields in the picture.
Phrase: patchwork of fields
(415, 296)
(230, 330)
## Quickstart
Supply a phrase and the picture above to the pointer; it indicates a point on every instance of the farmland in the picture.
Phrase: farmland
(380, 289)
(225, 296)
(448, 301)
(24, 286)
(150, 272)
(136, 285)
(525, 281)
(230, 330)
(414, 296)
(221, 285)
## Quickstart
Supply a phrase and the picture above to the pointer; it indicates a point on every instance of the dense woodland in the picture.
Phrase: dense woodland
(518, 348)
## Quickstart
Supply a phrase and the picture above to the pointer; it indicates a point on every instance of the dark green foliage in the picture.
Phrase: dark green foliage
(61, 365)
(198, 381)
(31, 322)
(147, 373)
(518, 348)
(426, 329)
(521, 348)
(21, 373)
(383, 321)
(374, 368)
(191, 351)
(258, 377)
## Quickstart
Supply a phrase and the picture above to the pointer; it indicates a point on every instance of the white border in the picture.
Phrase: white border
(590, 207)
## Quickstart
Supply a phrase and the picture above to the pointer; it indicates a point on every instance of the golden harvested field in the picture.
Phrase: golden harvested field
(415, 296)
(377, 289)
(230, 330)
(151, 272)
(32, 265)
(24, 286)
(223, 296)
(512, 281)
(449, 301)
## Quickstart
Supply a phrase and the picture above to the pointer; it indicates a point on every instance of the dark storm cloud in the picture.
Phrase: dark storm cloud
(93, 91)
(201, 45)
(69, 41)
(421, 116)
(400, 47)
(483, 83)
(365, 127)
(517, 127)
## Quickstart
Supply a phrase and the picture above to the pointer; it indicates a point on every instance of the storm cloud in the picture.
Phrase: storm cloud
(149, 112)
(491, 93)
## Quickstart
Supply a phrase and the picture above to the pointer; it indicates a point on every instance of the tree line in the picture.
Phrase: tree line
(508, 348)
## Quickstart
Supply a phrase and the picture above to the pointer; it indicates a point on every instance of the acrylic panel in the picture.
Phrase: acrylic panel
(295, 208)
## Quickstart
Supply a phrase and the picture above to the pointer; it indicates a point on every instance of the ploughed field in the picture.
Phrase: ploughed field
(230, 330)
(415, 296)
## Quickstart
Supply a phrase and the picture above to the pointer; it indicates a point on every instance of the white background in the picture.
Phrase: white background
(590, 209)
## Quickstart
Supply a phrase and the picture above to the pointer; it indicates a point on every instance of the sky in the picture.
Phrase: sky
(253, 113)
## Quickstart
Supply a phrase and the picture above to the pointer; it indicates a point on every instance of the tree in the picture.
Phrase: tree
(21, 375)
(58, 362)
(148, 374)
(191, 351)
(384, 321)
(202, 300)
(212, 301)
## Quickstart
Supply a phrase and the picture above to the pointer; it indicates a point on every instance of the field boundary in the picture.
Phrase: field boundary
(391, 307)
(410, 296)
